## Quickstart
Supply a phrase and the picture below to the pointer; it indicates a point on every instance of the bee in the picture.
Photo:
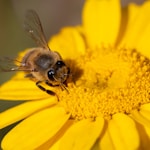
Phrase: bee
(41, 63)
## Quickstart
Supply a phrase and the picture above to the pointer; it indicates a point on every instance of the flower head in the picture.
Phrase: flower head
(107, 106)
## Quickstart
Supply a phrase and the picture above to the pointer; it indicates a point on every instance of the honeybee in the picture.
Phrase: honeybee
(41, 63)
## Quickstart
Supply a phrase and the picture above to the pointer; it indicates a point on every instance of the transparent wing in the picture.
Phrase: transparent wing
(33, 26)
(9, 64)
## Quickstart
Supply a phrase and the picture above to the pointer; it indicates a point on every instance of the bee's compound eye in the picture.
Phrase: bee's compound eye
(60, 63)
(51, 73)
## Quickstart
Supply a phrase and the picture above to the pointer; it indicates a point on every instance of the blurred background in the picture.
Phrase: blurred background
(53, 15)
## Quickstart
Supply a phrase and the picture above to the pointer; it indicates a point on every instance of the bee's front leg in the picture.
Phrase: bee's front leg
(45, 90)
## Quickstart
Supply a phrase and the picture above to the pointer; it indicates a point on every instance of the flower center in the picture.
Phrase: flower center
(107, 81)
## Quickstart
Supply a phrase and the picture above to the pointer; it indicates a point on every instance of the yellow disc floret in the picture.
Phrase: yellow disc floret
(109, 81)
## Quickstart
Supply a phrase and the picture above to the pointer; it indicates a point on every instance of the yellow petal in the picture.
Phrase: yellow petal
(140, 118)
(123, 133)
(145, 111)
(35, 130)
(144, 136)
(21, 88)
(143, 45)
(129, 20)
(101, 21)
(126, 22)
(69, 43)
(21, 111)
(106, 142)
(82, 135)
(143, 126)
(54, 142)
(138, 29)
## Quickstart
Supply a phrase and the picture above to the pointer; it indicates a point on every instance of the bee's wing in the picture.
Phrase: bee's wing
(33, 26)
(8, 64)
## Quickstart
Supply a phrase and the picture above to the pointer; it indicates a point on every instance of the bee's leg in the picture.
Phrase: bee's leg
(63, 87)
(29, 76)
(49, 84)
(45, 90)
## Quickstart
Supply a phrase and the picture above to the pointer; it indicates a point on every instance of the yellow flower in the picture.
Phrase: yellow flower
(107, 106)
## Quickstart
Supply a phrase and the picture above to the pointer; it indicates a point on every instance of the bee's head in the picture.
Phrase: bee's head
(58, 73)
